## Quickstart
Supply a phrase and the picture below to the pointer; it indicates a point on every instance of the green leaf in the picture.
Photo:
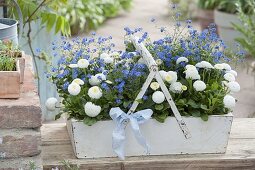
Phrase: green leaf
(161, 117)
(204, 117)
(51, 21)
(159, 106)
(139, 101)
(59, 24)
(89, 121)
(58, 116)
(126, 103)
(193, 104)
(195, 113)
(214, 86)
(204, 107)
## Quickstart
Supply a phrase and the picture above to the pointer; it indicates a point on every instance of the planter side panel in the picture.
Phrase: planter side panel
(9, 84)
(164, 138)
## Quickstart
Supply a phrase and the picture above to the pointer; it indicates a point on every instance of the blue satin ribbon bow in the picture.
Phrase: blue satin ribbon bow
(122, 119)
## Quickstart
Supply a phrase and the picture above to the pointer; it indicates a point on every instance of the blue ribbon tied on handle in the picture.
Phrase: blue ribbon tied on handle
(122, 119)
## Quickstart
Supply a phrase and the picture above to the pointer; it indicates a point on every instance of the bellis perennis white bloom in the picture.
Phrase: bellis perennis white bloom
(176, 87)
(226, 66)
(94, 81)
(74, 89)
(107, 58)
(229, 77)
(219, 66)
(104, 55)
(204, 64)
(51, 103)
(169, 76)
(91, 109)
(190, 67)
(83, 63)
(199, 85)
(182, 59)
(95, 92)
(154, 85)
(158, 97)
(78, 81)
(192, 73)
(233, 86)
(229, 102)
(232, 72)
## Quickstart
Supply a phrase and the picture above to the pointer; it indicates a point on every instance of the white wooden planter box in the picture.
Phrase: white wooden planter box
(164, 138)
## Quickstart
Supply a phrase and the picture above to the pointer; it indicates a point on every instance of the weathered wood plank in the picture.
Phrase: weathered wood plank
(240, 153)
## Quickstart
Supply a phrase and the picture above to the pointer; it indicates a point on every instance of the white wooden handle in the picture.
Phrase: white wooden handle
(153, 67)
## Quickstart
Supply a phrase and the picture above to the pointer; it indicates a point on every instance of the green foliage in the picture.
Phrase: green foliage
(231, 6)
(45, 10)
(247, 28)
(208, 4)
(89, 14)
(8, 54)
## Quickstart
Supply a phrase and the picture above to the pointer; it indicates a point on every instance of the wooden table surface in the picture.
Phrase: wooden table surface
(240, 154)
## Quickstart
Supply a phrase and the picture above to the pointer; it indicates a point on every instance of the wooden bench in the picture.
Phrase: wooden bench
(240, 154)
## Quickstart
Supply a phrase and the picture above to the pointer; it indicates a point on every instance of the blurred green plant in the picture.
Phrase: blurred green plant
(247, 28)
(208, 4)
(89, 14)
(7, 63)
(231, 6)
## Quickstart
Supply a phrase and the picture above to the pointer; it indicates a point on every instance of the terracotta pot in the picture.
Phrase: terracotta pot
(205, 18)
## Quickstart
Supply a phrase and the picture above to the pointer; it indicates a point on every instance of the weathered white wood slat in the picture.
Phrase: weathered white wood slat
(153, 67)
(240, 154)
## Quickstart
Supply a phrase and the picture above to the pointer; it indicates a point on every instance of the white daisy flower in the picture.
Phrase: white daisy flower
(233, 86)
(219, 66)
(91, 109)
(104, 55)
(158, 97)
(226, 66)
(94, 81)
(162, 74)
(108, 60)
(192, 74)
(232, 72)
(83, 63)
(73, 65)
(154, 85)
(182, 59)
(190, 67)
(176, 87)
(171, 76)
(74, 89)
(51, 103)
(78, 81)
(229, 101)
(199, 85)
(229, 77)
(204, 64)
(95, 92)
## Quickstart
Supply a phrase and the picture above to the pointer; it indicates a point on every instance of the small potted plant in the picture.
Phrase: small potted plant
(12, 65)
(206, 12)
(226, 15)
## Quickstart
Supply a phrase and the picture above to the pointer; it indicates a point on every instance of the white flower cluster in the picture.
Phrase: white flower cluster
(170, 76)
(199, 85)
(74, 88)
(204, 64)
(191, 72)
